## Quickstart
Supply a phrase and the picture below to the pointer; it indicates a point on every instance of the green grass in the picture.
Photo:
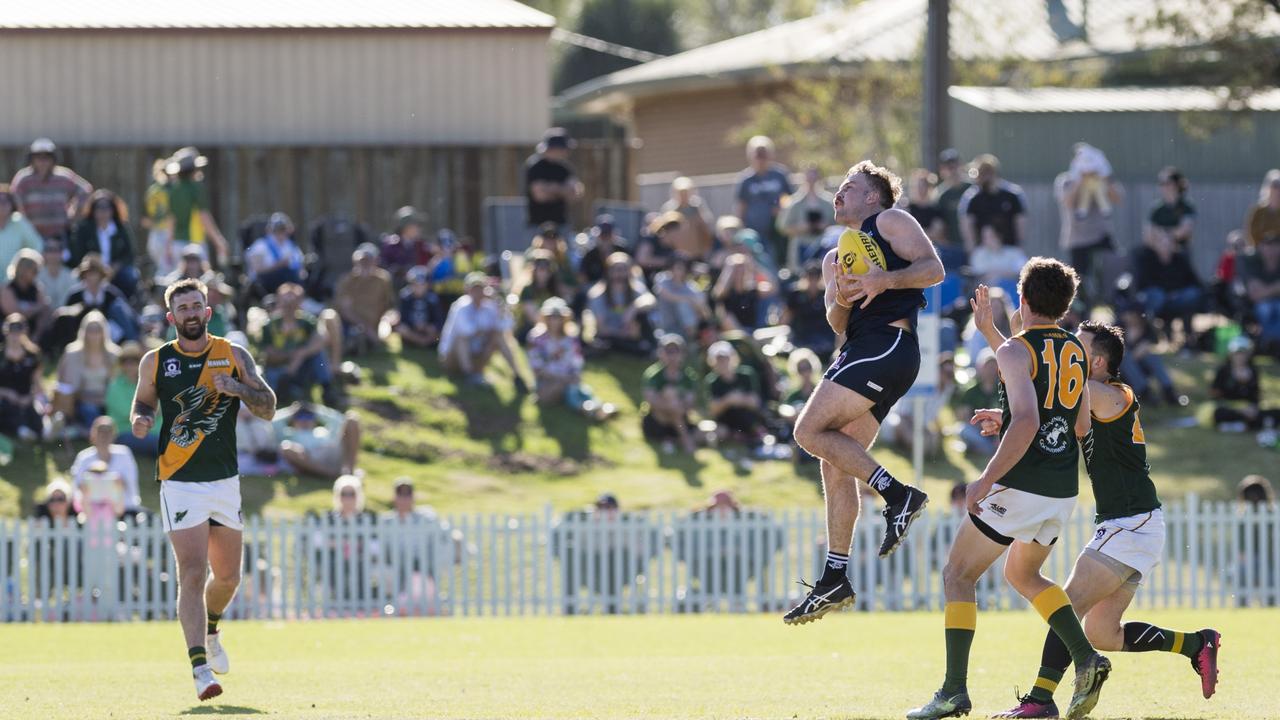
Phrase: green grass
(489, 450)
(847, 666)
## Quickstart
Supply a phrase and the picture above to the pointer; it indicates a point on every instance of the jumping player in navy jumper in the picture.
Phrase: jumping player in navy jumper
(876, 313)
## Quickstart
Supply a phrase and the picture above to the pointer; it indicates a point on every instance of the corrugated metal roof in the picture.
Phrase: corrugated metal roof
(271, 14)
(1124, 99)
(893, 30)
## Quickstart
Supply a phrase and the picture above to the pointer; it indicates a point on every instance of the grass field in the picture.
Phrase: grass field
(848, 666)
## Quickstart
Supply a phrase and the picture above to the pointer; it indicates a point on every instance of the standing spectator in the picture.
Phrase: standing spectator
(621, 305)
(1263, 219)
(733, 396)
(16, 232)
(953, 182)
(809, 213)
(477, 327)
(84, 372)
(22, 295)
(318, 440)
(550, 181)
(421, 315)
(806, 313)
(992, 200)
(1237, 392)
(104, 229)
(1167, 284)
(605, 242)
(681, 304)
(363, 298)
(740, 289)
(1262, 284)
(1087, 197)
(406, 247)
(997, 263)
(293, 349)
(157, 220)
(119, 401)
(193, 222)
(49, 194)
(759, 193)
(695, 237)
(275, 259)
(980, 393)
(1173, 214)
(55, 278)
(555, 357)
(22, 398)
(118, 460)
(1143, 366)
(670, 395)
(922, 206)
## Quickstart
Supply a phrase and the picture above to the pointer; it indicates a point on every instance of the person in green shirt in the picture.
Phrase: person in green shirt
(670, 392)
(193, 223)
(733, 396)
(119, 402)
(979, 393)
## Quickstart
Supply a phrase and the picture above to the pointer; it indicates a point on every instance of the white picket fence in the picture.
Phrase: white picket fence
(1217, 555)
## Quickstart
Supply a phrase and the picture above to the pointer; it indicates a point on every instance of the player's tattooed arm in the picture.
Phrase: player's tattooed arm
(252, 390)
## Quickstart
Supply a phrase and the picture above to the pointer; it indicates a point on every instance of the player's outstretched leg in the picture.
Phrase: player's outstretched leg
(902, 507)
(832, 591)
(1201, 647)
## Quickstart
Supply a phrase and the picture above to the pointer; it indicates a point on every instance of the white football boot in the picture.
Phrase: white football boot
(218, 660)
(206, 684)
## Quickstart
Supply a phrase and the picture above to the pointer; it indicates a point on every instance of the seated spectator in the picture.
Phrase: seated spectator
(1263, 219)
(981, 393)
(805, 371)
(421, 315)
(84, 372)
(1227, 289)
(995, 262)
(670, 396)
(22, 398)
(1262, 283)
(740, 289)
(102, 496)
(94, 293)
(1237, 392)
(1143, 365)
(274, 259)
(806, 313)
(733, 397)
(457, 259)
(1001, 314)
(604, 242)
(56, 509)
(477, 326)
(540, 284)
(119, 401)
(898, 428)
(55, 278)
(363, 299)
(104, 229)
(16, 232)
(607, 562)
(1173, 214)
(257, 449)
(403, 509)
(694, 238)
(656, 248)
(681, 304)
(294, 360)
(1166, 283)
(550, 240)
(555, 357)
(408, 246)
(804, 220)
(1256, 492)
(621, 306)
(117, 460)
(192, 264)
(22, 295)
(921, 205)
(317, 440)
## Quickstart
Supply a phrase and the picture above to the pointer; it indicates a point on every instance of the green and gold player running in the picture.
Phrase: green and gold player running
(1129, 539)
(198, 381)
(1026, 494)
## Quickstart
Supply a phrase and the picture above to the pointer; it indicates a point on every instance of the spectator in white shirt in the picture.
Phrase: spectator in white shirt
(275, 259)
(118, 458)
(474, 329)
(995, 263)
(55, 278)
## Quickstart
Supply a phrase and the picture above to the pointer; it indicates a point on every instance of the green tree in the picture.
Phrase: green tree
(640, 24)
(706, 21)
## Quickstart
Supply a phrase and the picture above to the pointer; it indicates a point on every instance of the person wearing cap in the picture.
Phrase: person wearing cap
(605, 241)
(16, 232)
(695, 238)
(104, 229)
(22, 294)
(407, 246)
(953, 182)
(1237, 392)
(22, 396)
(293, 349)
(364, 299)
(119, 402)
(318, 440)
(49, 194)
(193, 222)
(808, 214)
(114, 458)
(670, 397)
(555, 357)
(760, 191)
(476, 327)
(622, 307)
(657, 244)
(420, 315)
(550, 182)
(275, 259)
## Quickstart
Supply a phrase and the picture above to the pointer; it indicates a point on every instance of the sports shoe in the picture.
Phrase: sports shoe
(218, 660)
(943, 705)
(1205, 662)
(1088, 686)
(822, 599)
(206, 684)
(1029, 707)
(898, 518)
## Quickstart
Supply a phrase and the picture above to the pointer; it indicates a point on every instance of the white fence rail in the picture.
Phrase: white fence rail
(1217, 555)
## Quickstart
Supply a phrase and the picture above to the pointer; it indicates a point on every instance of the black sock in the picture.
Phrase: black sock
(197, 656)
(1145, 637)
(890, 489)
(213, 622)
(1055, 658)
(835, 569)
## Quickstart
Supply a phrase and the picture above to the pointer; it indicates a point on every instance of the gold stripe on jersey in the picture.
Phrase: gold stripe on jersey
(1128, 394)
(202, 406)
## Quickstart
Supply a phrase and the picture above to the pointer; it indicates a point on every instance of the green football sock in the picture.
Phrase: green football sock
(961, 619)
(1055, 607)
(212, 626)
(197, 656)
(1046, 682)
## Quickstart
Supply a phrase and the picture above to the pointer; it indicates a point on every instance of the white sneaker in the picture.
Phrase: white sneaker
(218, 660)
(206, 684)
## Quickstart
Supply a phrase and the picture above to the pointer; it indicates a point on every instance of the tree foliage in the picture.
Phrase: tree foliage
(707, 21)
(640, 24)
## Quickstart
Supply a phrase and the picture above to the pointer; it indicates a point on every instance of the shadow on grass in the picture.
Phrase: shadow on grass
(687, 465)
(569, 430)
(489, 417)
(222, 710)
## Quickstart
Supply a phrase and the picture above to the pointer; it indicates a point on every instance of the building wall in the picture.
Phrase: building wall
(688, 133)
(256, 87)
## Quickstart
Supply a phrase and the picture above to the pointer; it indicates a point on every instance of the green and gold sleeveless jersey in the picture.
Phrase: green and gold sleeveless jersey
(198, 432)
(1115, 453)
(1050, 467)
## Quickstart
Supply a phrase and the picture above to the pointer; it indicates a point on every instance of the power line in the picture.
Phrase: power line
(603, 46)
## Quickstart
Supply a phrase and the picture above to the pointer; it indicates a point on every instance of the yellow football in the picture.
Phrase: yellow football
(855, 250)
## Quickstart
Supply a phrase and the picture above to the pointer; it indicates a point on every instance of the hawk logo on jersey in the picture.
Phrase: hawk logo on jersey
(172, 368)
(1053, 435)
(201, 409)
